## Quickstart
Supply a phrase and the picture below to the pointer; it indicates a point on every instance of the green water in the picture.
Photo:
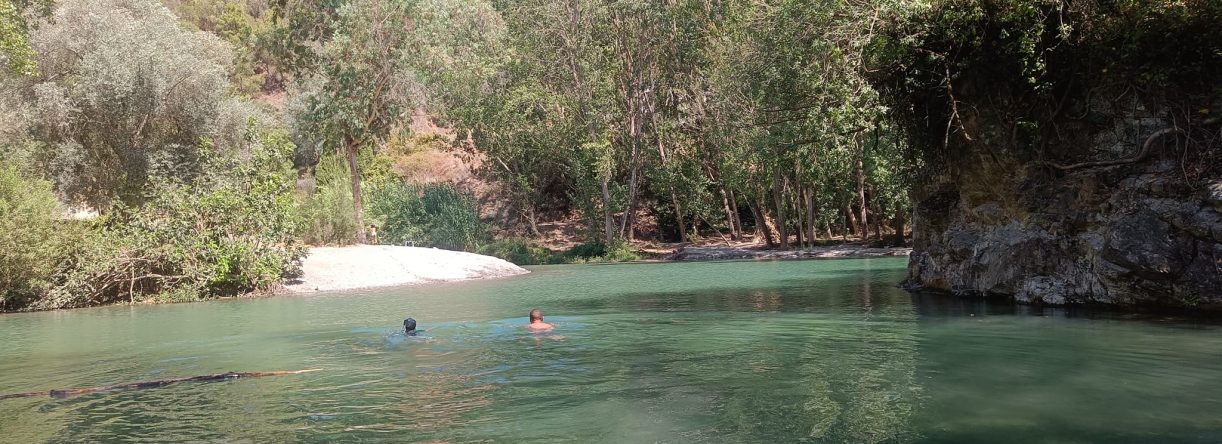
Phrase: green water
(793, 351)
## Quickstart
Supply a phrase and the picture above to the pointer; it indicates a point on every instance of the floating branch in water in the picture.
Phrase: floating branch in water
(66, 393)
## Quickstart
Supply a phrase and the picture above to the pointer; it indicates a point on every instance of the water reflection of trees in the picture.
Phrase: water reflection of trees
(845, 373)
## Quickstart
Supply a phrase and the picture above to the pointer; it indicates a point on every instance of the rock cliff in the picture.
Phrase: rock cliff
(1136, 219)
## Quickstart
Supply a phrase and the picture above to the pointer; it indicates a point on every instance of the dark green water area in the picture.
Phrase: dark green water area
(783, 351)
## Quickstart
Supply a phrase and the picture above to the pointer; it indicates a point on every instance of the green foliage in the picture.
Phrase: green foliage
(620, 251)
(128, 95)
(15, 51)
(433, 216)
(588, 250)
(298, 29)
(364, 74)
(363, 84)
(672, 107)
(597, 251)
(326, 212)
(32, 241)
(519, 251)
(1032, 62)
(221, 235)
(525, 252)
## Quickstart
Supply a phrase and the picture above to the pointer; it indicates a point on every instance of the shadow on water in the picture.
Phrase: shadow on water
(937, 305)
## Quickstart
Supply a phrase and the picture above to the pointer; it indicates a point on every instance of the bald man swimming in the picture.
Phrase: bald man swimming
(536, 321)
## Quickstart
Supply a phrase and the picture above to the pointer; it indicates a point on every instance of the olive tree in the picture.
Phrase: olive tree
(123, 92)
(15, 52)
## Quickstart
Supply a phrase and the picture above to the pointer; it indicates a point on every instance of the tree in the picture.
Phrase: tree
(686, 109)
(123, 92)
(364, 83)
(15, 51)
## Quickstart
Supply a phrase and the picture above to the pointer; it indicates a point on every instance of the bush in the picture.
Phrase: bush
(519, 251)
(32, 242)
(433, 216)
(223, 235)
(326, 214)
(597, 251)
(588, 250)
(524, 252)
(621, 251)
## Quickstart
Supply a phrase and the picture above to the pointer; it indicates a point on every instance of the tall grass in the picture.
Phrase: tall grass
(326, 214)
(436, 215)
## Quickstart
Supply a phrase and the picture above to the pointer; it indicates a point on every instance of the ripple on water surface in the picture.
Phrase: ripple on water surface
(819, 351)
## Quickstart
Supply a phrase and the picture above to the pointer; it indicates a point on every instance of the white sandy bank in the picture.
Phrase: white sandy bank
(366, 266)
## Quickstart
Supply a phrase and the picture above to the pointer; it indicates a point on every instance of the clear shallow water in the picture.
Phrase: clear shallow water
(792, 351)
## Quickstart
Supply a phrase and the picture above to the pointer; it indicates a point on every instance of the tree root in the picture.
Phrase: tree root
(1145, 151)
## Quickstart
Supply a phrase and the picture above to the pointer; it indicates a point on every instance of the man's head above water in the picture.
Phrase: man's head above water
(536, 321)
(409, 326)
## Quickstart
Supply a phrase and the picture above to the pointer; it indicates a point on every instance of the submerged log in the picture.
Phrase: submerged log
(67, 393)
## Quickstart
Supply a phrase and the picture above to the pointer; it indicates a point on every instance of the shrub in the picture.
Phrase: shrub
(588, 250)
(454, 219)
(597, 251)
(223, 235)
(326, 214)
(32, 242)
(620, 251)
(519, 251)
(523, 252)
(433, 215)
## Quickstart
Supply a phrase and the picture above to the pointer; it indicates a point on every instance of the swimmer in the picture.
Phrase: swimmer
(409, 327)
(536, 321)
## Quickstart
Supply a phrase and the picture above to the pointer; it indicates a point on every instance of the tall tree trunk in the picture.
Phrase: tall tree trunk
(796, 203)
(608, 221)
(809, 194)
(777, 189)
(738, 221)
(358, 205)
(849, 222)
(725, 204)
(674, 199)
(761, 223)
(851, 219)
(878, 226)
(898, 225)
(798, 229)
(533, 219)
(630, 214)
(861, 192)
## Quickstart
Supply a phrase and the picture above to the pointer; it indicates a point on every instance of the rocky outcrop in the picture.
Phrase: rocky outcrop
(1143, 230)
(1066, 152)
(369, 266)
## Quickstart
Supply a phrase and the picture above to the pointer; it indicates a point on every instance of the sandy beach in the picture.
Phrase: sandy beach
(368, 266)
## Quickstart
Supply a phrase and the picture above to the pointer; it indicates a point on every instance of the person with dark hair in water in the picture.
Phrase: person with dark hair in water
(409, 327)
(536, 321)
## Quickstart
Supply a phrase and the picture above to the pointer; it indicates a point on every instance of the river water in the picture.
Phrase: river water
(786, 351)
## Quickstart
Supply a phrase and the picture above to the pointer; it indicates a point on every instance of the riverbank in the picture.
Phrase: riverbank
(844, 251)
(368, 266)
